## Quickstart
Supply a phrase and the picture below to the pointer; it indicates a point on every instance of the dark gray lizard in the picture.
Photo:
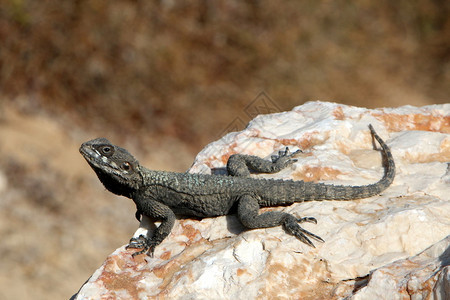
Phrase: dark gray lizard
(162, 195)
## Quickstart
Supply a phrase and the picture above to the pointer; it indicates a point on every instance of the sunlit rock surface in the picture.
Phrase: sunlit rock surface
(387, 246)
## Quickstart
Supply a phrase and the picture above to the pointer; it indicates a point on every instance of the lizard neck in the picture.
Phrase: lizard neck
(121, 188)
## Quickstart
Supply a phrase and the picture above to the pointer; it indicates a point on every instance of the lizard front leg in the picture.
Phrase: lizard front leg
(248, 208)
(156, 211)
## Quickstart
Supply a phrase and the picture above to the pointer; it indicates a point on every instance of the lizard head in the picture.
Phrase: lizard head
(116, 168)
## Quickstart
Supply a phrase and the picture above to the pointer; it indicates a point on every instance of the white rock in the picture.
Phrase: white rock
(382, 236)
(423, 276)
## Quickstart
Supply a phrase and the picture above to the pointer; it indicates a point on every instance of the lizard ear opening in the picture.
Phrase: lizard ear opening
(126, 166)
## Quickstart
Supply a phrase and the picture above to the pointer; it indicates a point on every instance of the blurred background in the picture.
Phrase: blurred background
(163, 79)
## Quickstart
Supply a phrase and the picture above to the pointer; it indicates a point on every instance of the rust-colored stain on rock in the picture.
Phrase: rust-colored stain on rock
(167, 269)
(117, 276)
(299, 281)
(166, 255)
(241, 272)
(190, 231)
(338, 113)
(308, 173)
(432, 122)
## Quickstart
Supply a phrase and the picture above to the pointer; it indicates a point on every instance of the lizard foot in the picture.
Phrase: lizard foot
(307, 219)
(145, 244)
(292, 227)
(285, 158)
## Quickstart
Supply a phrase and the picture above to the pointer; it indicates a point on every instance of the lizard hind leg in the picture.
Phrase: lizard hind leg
(248, 208)
(241, 164)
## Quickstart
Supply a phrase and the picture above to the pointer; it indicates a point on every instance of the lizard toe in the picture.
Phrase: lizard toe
(284, 159)
(143, 243)
(292, 227)
(137, 242)
(307, 219)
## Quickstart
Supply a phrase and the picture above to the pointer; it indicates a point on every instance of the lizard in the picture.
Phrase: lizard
(164, 196)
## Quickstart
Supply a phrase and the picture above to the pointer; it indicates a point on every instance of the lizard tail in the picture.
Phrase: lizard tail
(339, 192)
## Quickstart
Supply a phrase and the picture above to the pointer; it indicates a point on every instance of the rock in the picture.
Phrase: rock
(423, 276)
(387, 246)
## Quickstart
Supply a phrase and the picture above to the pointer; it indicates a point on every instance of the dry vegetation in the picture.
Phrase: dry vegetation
(155, 73)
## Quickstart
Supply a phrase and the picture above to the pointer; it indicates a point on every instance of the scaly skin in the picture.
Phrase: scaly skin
(162, 195)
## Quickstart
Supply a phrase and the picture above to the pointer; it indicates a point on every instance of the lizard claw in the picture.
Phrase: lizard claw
(284, 158)
(307, 219)
(286, 152)
(137, 242)
(292, 227)
(145, 244)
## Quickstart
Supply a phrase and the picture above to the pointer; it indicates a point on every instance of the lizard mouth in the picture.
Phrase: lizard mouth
(89, 154)
(93, 157)
(99, 162)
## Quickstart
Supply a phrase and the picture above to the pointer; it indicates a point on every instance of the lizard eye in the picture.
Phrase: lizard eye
(106, 149)
(126, 166)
